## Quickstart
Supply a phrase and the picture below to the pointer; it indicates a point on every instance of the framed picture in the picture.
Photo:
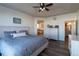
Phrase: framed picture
(16, 20)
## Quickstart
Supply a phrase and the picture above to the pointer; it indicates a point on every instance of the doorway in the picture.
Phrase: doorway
(40, 27)
(70, 28)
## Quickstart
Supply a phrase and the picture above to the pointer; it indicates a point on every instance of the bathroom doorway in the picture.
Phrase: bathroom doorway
(40, 27)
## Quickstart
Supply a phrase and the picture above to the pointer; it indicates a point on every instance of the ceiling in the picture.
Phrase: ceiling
(55, 9)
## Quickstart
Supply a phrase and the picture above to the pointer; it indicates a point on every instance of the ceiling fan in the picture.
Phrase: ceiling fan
(43, 6)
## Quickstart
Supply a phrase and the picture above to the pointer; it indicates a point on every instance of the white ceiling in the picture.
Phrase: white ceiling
(56, 9)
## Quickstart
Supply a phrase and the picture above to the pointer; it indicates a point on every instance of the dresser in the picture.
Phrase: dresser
(52, 33)
(73, 45)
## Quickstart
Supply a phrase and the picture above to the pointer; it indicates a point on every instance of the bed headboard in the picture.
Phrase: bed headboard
(12, 28)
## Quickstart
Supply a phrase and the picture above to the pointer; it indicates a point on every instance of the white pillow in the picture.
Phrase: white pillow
(18, 34)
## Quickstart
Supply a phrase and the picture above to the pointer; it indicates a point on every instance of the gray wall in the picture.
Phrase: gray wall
(6, 18)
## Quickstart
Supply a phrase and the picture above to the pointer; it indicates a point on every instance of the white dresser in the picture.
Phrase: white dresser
(52, 33)
(73, 45)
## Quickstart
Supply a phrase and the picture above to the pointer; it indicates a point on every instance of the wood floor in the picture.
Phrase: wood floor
(56, 48)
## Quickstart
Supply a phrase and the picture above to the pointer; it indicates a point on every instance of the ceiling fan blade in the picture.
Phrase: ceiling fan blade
(46, 9)
(36, 6)
(49, 4)
(42, 5)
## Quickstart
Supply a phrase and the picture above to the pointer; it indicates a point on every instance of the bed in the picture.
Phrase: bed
(22, 46)
(29, 45)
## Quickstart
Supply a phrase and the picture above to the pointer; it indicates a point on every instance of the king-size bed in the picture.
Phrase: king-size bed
(21, 46)
(25, 45)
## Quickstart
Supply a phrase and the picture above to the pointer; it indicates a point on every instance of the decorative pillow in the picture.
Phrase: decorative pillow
(21, 31)
(18, 34)
(8, 33)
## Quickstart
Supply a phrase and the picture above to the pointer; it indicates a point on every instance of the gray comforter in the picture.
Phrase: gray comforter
(21, 46)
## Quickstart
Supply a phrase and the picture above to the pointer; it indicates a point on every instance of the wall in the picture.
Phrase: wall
(6, 18)
(78, 22)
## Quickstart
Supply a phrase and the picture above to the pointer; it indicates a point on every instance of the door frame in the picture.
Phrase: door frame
(37, 28)
(65, 27)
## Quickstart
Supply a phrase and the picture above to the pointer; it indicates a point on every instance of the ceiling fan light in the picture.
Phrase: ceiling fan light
(41, 9)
